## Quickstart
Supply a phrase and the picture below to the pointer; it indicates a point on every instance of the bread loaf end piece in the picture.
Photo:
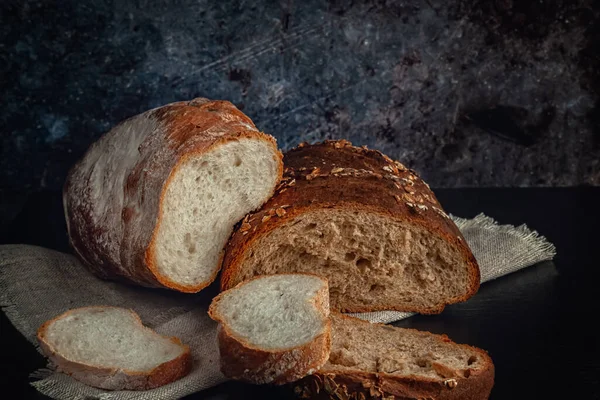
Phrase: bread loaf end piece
(154, 200)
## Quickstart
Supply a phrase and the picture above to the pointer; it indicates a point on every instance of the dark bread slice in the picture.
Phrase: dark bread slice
(380, 361)
(366, 223)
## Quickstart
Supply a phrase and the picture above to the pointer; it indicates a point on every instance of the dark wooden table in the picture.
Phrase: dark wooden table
(537, 324)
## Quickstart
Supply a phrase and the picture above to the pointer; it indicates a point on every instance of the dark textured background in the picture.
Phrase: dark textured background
(469, 93)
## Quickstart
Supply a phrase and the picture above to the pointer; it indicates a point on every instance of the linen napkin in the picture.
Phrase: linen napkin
(37, 284)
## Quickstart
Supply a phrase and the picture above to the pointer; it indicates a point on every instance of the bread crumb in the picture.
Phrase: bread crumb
(266, 218)
(245, 227)
(388, 168)
(280, 212)
(337, 170)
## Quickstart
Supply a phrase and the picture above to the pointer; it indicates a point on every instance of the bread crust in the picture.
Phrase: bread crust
(330, 383)
(113, 196)
(114, 378)
(337, 175)
(241, 360)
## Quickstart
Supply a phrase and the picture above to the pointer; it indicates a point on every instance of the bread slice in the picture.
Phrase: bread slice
(109, 348)
(363, 221)
(273, 329)
(154, 200)
(379, 361)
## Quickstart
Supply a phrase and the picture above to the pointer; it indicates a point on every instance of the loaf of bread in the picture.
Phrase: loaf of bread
(155, 199)
(273, 329)
(366, 223)
(109, 348)
(379, 361)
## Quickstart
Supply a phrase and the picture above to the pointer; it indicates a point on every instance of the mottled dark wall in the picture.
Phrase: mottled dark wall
(491, 93)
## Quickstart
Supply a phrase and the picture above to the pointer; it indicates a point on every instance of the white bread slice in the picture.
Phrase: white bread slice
(363, 221)
(109, 348)
(378, 361)
(155, 199)
(273, 329)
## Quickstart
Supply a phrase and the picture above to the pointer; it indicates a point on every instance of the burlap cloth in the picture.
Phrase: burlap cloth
(36, 284)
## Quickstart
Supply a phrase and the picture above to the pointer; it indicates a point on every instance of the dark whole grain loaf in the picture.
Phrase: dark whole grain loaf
(368, 224)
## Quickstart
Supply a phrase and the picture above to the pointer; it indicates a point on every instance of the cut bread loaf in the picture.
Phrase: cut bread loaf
(154, 200)
(379, 361)
(363, 221)
(273, 329)
(109, 348)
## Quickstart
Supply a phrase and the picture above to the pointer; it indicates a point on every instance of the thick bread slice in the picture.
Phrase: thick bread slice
(109, 348)
(363, 221)
(379, 361)
(273, 329)
(154, 200)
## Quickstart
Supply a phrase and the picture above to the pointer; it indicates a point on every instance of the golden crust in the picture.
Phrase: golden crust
(149, 255)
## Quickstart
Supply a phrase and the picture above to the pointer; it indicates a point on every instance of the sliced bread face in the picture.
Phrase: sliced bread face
(378, 361)
(273, 329)
(372, 262)
(363, 221)
(206, 195)
(109, 348)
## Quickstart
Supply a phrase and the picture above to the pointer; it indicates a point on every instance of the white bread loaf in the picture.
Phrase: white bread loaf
(154, 200)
